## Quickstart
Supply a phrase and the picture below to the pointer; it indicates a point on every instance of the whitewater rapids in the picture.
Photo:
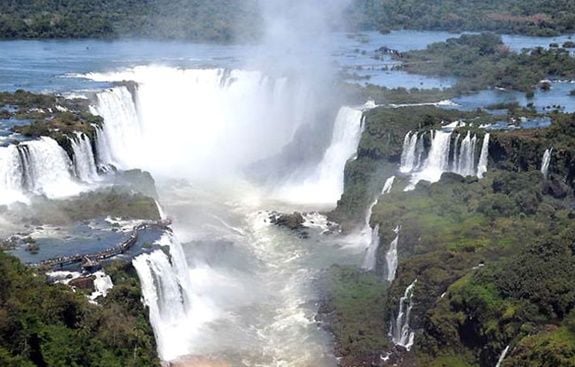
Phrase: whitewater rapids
(234, 287)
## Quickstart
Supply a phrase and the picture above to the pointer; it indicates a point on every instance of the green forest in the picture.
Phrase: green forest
(232, 20)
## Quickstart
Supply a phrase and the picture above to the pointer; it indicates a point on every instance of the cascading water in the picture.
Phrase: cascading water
(483, 157)
(392, 258)
(370, 258)
(11, 175)
(502, 356)
(437, 160)
(408, 156)
(103, 149)
(39, 167)
(84, 159)
(400, 331)
(545, 162)
(442, 157)
(167, 291)
(225, 119)
(325, 184)
(388, 185)
(465, 164)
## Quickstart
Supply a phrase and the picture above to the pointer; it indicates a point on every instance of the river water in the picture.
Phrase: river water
(228, 144)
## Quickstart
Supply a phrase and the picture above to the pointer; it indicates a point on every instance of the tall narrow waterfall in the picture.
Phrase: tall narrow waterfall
(388, 185)
(118, 140)
(546, 161)
(370, 258)
(84, 159)
(167, 291)
(408, 156)
(400, 332)
(483, 157)
(11, 175)
(391, 257)
(446, 154)
(502, 356)
(325, 184)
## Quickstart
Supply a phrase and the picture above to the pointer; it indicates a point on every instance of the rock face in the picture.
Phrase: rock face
(85, 283)
(292, 221)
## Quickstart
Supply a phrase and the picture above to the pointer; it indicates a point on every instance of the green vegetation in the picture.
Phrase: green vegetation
(533, 17)
(48, 115)
(214, 20)
(118, 202)
(493, 258)
(380, 149)
(351, 313)
(229, 20)
(483, 61)
(49, 325)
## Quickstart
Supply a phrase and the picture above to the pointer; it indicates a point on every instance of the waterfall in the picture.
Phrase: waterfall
(11, 175)
(39, 167)
(325, 184)
(388, 185)
(400, 332)
(437, 160)
(103, 149)
(370, 259)
(408, 156)
(466, 157)
(483, 157)
(118, 139)
(84, 160)
(167, 291)
(461, 159)
(391, 257)
(221, 120)
(102, 284)
(502, 356)
(546, 162)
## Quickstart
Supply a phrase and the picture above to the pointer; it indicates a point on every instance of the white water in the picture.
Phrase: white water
(175, 310)
(372, 234)
(204, 127)
(11, 179)
(84, 159)
(102, 285)
(408, 156)
(38, 167)
(442, 157)
(465, 160)
(392, 258)
(545, 162)
(388, 185)
(370, 259)
(225, 119)
(119, 139)
(437, 160)
(400, 332)
(502, 356)
(324, 185)
(483, 157)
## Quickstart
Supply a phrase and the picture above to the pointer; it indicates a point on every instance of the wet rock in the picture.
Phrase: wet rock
(85, 283)
(292, 221)
(555, 188)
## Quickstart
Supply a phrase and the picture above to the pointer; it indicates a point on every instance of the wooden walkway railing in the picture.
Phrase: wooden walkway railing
(91, 260)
